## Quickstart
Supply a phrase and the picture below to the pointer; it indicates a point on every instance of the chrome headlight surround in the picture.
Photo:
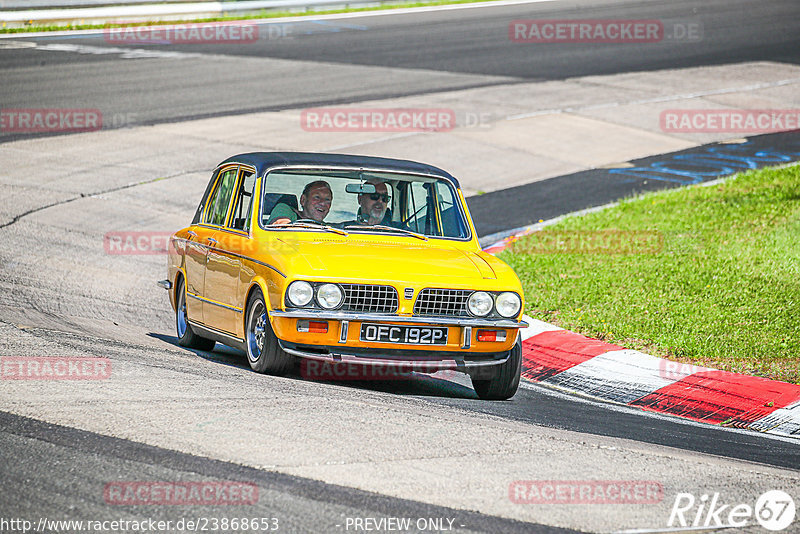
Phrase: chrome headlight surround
(480, 304)
(300, 293)
(508, 304)
(330, 296)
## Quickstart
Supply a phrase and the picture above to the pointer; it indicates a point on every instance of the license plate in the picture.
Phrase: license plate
(408, 335)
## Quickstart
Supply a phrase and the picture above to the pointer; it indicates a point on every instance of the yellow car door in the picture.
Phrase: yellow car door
(223, 307)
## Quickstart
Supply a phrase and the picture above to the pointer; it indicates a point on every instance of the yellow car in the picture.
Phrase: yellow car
(347, 260)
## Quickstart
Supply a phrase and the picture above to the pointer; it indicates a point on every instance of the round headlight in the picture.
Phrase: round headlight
(300, 293)
(329, 296)
(480, 303)
(508, 304)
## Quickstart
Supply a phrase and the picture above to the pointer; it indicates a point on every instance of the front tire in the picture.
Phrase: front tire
(264, 353)
(505, 383)
(186, 336)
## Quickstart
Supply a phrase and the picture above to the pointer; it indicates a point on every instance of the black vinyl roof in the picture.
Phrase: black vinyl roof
(263, 161)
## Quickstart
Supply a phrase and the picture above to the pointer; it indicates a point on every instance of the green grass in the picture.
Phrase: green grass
(720, 289)
(263, 14)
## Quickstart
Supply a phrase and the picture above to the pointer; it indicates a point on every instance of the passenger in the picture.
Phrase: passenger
(315, 203)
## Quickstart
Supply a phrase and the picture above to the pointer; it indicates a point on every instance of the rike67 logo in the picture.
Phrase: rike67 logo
(774, 510)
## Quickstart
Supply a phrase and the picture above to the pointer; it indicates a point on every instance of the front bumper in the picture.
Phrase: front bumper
(399, 359)
(341, 341)
(391, 318)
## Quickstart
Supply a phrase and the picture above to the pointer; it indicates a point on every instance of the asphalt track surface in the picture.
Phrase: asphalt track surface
(80, 462)
(71, 464)
(327, 63)
(516, 207)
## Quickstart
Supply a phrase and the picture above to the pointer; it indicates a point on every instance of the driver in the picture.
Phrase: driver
(372, 206)
(315, 203)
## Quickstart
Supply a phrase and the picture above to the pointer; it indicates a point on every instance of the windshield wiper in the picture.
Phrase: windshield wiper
(314, 226)
(389, 228)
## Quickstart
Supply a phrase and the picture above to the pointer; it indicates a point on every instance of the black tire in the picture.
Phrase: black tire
(505, 383)
(186, 336)
(264, 353)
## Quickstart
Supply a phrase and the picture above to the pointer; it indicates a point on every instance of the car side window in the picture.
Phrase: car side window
(220, 199)
(452, 222)
(417, 207)
(242, 204)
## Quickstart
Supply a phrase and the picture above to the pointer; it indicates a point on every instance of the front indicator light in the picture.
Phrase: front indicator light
(313, 327)
(329, 296)
(508, 304)
(480, 303)
(491, 335)
(300, 293)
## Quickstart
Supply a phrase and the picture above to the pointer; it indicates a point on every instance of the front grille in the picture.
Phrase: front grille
(369, 298)
(442, 302)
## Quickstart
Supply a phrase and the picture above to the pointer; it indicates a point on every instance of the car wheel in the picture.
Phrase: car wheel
(263, 351)
(506, 380)
(186, 336)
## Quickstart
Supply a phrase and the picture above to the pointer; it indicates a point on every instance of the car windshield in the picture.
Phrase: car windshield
(363, 201)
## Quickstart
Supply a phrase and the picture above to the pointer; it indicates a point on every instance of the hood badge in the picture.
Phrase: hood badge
(408, 292)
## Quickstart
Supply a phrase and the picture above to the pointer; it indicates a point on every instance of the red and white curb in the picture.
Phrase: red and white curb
(568, 361)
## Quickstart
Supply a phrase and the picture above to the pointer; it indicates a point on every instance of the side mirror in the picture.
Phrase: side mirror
(360, 189)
